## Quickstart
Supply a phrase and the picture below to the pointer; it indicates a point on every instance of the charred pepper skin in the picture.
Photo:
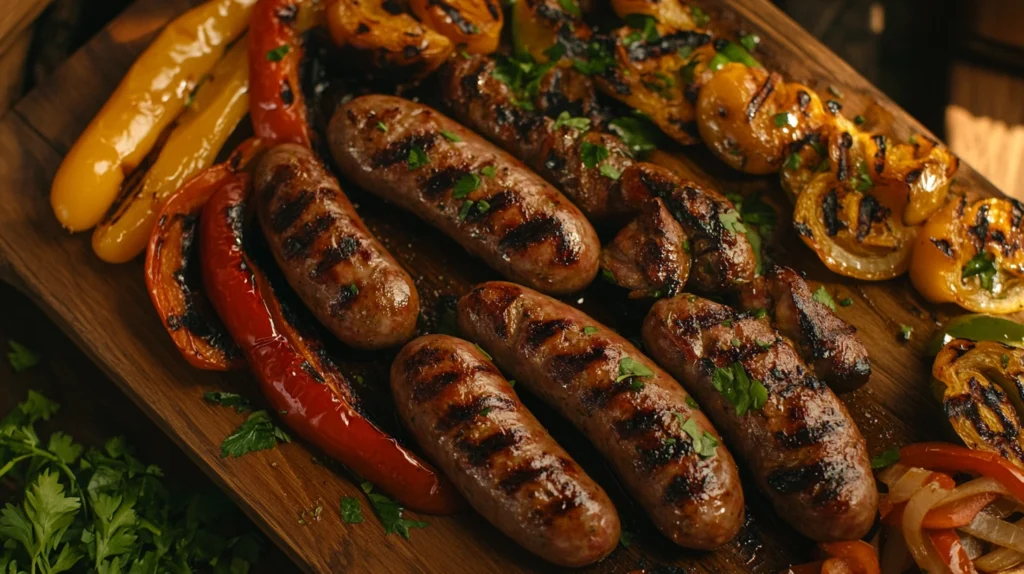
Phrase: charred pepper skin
(293, 385)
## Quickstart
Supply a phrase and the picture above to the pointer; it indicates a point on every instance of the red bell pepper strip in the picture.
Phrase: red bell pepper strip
(954, 458)
(952, 552)
(276, 103)
(172, 252)
(294, 386)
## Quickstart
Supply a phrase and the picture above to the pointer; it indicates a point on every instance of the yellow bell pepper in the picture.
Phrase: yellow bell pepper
(220, 103)
(149, 98)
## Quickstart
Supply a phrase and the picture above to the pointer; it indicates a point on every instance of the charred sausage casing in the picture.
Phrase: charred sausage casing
(638, 423)
(467, 418)
(337, 267)
(805, 451)
(483, 198)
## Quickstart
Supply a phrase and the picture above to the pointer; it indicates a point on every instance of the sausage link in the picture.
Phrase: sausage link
(467, 418)
(337, 267)
(806, 452)
(664, 450)
(478, 195)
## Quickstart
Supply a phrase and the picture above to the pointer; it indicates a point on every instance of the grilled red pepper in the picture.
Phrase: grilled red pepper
(171, 258)
(955, 458)
(312, 399)
(276, 103)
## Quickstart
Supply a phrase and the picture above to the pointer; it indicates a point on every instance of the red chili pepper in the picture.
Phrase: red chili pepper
(954, 458)
(952, 551)
(276, 103)
(179, 300)
(309, 399)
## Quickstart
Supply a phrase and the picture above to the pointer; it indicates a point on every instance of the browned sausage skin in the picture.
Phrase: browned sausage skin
(649, 256)
(480, 196)
(687, 484)
(337, 267)
(806, 452)
(468, 420)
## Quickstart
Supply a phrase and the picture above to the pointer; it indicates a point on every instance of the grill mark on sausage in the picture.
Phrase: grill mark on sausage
(664, 453)
(398, 151)
(494, 307)
(480, 452)
(298, 243)
(823, 478)
(460, 413)
(760, 97)
(528, 472)
(443, 180)
(805, 435)
(640, 423)
(567, 366)
(289, 212)
(701, 318)
(426, 389)
(537, 230)
(539, 331)
(346, 295)
(684, 487)
(504, 199)
(564, 503)
(333, 255)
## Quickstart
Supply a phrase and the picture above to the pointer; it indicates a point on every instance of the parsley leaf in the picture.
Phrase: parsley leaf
(647, 26)
(390, 513)
(793, 162)
(886, 458)
(598, 60)
(40, 523)
(863, 181)
(258, 432)
(731, 221)
(846, 302)
(739, 389)
(278, 53)
(784, 119)
(464, 211)
(905, 332)
(465, 185)
(821, 295)
(589, 330)
(382, 127)
(638, 132)
(630, 368)
(489, 171)
(981, 265)
(351, 512)
(700, 17)
(223, 399)
(592, 154)
(859, 120)
(704, 444)
(417, 158)
(750, 41)
(565, 119)
(610, 171)
(571, 8)
(21, 357)
(451, 136)
(522, 75)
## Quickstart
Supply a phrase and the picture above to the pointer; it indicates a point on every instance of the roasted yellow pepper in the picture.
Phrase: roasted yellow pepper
(979, 386)
(149, 98)
(972, 254)
(475, 24)
(220, 103)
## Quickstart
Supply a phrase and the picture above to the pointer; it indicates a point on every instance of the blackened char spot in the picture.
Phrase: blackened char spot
(289, 212)
(346, 295)
(393, 7)
(539, 331)
(410, 51)
(880, 154)
(684, 487)
(398, 152)
(456, 17)
(564, 368)
(287, 95)
(286, 14)
(563, 503)
(493, 9)
(537, 230)
(944, 246)
(830, 212)
(642, 422)
(805, 435)
(528, 472)
(870, 212)
(299, 242)
(442, 180)
(346, 247)
(480, 452)
(425, 390)
(503, 200)
(459, 413)
(760, 97)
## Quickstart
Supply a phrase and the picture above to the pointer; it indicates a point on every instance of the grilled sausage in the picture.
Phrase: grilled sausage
(468, 420)
(828, 344)
(633, 412)
(489, 202)
(337, 267)
(723, 259)
(649, 256)
(486, 104)
(806, 453)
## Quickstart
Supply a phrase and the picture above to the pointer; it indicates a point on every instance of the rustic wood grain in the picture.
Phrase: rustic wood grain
(105, 310)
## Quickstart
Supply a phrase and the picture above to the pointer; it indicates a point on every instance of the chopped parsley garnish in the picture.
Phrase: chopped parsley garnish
(626, 538)
(1004, 360)
(522, 75)
(353, 289)
(278, 53)
(465, 185)
(731, 221)
(451, 136)
(351, 511)
(685, 52)
(638, 132)
(240, 403)
(512, 383)
(417, 158)
(489, 171)
(700, 17)
(983, 266)
(739, 389)
(390, 513)
(821, 295)
(764, 344)
(669, 441)
(483, 352)
(598, 60)
(593, 154)
(610, 171)
(905, 332)
(21, 357)
(486, 411)
(846, 302)
(382, 127)
(482, 206)
(704, 444)
(859, 120)
(762, 219)
(589, 330)
(571, 7)
(646, 27)
(565, 119)
(634, 371)
(258, 432)
(750, 41)
(691, 403)
(863, 181)
(761, 313)
(784, 119)
(793, 162)
(886, 458)
(735, 342)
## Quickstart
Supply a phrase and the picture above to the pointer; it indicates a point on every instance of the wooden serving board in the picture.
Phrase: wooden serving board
(106, 311)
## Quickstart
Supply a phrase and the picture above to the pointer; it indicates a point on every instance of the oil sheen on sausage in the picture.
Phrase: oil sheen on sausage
(806, 453)
(480, 196)
(337, 267)
(663, 449)
(468, 419)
